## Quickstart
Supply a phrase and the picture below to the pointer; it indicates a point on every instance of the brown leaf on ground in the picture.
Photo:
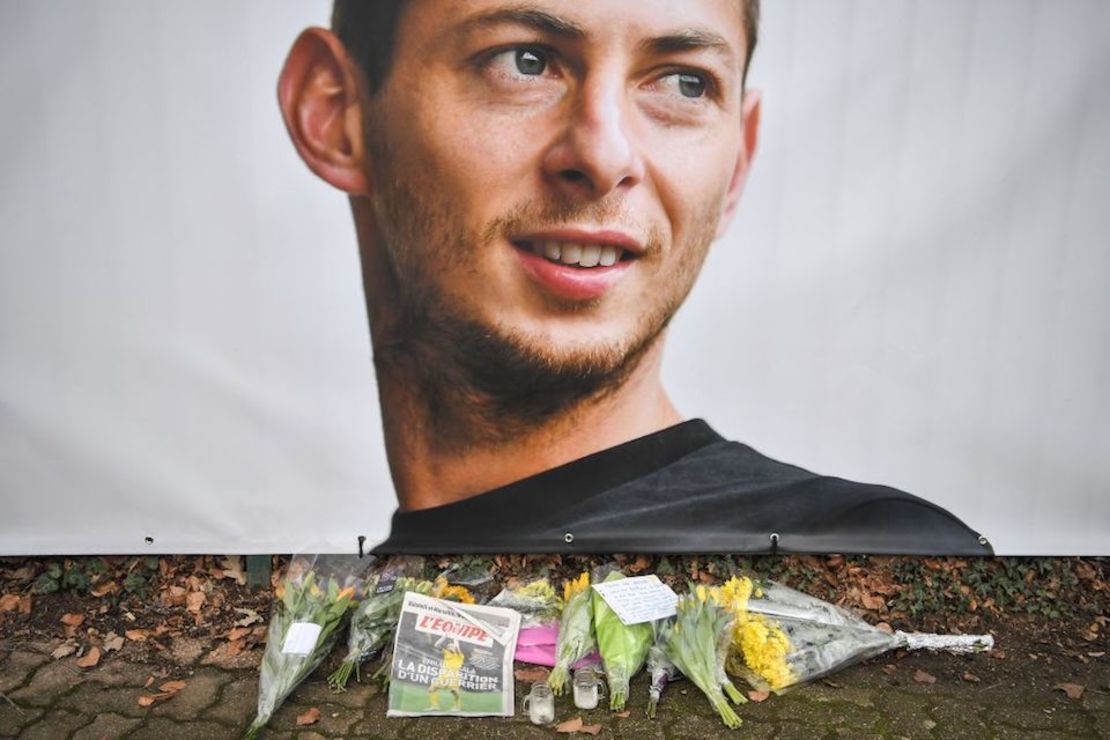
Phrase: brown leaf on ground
(112, 641)
(195, 600)
(571, 725)
(137, 635)
(147, 700)
(172, 686)
(998, 654)
(758, 696)
(232, 567)
(625, 713)
(105, 588)
(89, 659)
(889, 668)
(971, 678)
(872, 602)
(309, 716)
(72, 620)
(640, 565)
(249, 618)
(64, 650)
(884, 627)
(237, 633)
(922, 677)
(532, 674)
(590, 729)
(9, 602)
(149, 682)
(1073, 690)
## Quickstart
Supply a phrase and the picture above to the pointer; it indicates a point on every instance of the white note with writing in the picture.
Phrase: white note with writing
(301, 638)
(638, 599)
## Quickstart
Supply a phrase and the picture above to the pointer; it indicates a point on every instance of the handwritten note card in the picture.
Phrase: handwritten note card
(639, 599)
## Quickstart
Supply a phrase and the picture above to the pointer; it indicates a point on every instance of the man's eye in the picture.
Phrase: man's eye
(530, 61)
(690, 85)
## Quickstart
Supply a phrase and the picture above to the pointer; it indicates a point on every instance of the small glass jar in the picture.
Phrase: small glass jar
(540, 704)
(589, 689)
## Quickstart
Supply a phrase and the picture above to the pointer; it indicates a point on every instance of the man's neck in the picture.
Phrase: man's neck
(426, 474)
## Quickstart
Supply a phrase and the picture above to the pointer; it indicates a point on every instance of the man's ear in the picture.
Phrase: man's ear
(750, 108)
(318, 92)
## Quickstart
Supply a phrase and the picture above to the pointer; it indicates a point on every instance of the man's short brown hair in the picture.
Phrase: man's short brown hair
(368, 29)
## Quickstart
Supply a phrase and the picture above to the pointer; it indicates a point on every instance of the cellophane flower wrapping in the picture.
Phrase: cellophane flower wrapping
(536, 602)
(697, 642)
(659, 665)
(314, 597)
(576, 631)
(782, 637)
(623, 647)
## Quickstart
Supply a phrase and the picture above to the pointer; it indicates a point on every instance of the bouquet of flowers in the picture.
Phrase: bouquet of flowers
(375, 619)
(314, 598)
(536, 602)
(782, 637)
(697, 642)
(576, 630)
(623, 646)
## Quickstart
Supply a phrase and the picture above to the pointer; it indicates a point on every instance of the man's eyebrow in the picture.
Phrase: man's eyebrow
(691, 39)
(524, 15)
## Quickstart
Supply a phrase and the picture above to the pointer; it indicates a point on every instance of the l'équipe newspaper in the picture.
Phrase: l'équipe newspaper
(452, 659)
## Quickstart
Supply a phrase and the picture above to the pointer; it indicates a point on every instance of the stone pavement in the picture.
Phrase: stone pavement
(48, 699)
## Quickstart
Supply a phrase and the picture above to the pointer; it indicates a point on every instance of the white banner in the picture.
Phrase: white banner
(916, 291)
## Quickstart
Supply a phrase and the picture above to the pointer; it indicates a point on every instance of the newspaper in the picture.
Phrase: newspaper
(452, 659)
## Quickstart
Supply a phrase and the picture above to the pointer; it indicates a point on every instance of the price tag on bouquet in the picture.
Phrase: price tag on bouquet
(640, 599)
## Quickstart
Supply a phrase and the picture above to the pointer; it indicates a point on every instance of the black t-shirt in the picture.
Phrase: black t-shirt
(684, 489)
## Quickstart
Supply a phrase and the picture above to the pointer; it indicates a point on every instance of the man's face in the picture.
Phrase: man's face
(553, 171)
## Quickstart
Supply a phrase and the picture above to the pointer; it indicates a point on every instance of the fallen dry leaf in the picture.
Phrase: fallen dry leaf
(922, 677)
(758, 696)
(250, 616)
(971, 678)
(89, 659)
(309, 716)
(237, 633)
(72, 620)
(640, 565)
(884, 627)
(874, 603)
(64, 650)
(195, 600)
(172, 686)
(1073, 690)
(9, 602)
(149, 682)
(538, 673)
(590, 729)
(103, 589)
(625, 713)
(889, 668)
(112, 641)
(146, 700)
(137, 635)
(232, 567)
(571, 725)
(998, 654)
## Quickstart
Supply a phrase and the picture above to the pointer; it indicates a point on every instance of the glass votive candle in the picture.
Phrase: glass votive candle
(540, 704)
(589, 689)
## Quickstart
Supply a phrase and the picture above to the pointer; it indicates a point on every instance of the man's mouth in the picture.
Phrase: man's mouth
(575, 254)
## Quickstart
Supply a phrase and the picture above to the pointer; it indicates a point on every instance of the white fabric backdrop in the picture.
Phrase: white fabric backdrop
(917, 290)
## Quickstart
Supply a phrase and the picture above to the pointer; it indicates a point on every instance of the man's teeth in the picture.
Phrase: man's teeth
(582, 255)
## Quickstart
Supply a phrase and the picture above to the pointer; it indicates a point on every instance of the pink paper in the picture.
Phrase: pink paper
(536, 645)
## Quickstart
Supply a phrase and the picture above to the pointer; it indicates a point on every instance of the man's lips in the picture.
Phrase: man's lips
(576, 265)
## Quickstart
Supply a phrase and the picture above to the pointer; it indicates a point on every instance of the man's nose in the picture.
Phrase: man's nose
(596, 152)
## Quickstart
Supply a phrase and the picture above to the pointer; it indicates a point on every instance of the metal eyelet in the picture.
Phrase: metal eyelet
(568, 538)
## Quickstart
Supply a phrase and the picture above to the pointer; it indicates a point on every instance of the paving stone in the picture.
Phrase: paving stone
(48, 682)
(237, 703)
(117, 672)
(107, 725)
(824, 713)
(55, 724)
(201, 691)
(17, 669)
(122, 700)
(165, 728)
(13, 719)
(221, 657)
(317, 691)
(187, 650)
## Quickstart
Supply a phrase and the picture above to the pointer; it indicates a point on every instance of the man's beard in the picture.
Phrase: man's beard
(478, 383)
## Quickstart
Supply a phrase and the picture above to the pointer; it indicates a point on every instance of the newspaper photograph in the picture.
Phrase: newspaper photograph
(452, 659)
